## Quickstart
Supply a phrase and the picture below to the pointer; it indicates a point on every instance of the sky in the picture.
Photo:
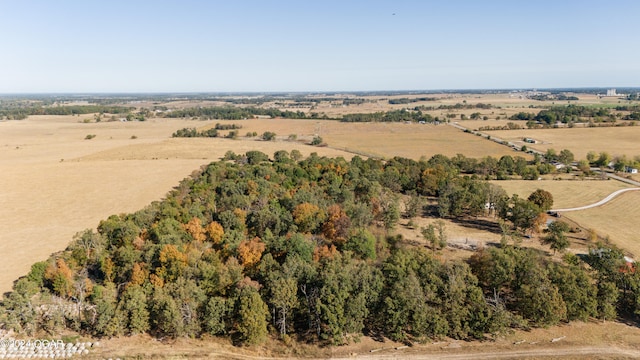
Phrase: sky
(85, 46)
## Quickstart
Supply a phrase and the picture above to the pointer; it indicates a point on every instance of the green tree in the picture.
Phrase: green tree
(556, 238)
(522, 213)
(108, 322)
(603, 159)
(542, 198)
(363, 243)
(296, 155)
(583, 165)
(412, 297)
(607, 298)
(591, 157)
(551, 155)
(284, 299)
(252, 316)
(433, 239)
(413, 206)
(216, 315)
(539, 300)
(165, 314)
(495, 268)
(134, 305)
(566, 157)
(577, 290)
(317, 140)
(348, 288)
(268, 136)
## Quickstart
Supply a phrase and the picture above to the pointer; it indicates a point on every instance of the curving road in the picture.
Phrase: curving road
(601, 202)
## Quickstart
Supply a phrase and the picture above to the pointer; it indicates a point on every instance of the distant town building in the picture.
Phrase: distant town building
(612, 92)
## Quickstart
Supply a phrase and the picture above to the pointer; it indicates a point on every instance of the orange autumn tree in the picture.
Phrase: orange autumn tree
(307, 217)
(250, 252)
(337, 226)
(61, 277)
(173, 263)
(195, 229)
(324, 252)
(215, 232)
(139, 274)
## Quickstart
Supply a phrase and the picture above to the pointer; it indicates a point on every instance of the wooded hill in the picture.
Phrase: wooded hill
(252, 247)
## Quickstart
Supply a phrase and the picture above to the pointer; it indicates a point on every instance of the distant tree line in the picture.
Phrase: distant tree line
(567, 114)
(232, 113)
(405, 100)
(550, 97)
(20, 113)
(457, 106)
(389, 116)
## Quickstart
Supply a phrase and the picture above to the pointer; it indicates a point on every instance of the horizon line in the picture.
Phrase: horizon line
(417, 91)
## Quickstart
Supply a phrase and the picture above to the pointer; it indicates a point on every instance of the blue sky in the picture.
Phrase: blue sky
(242, 45)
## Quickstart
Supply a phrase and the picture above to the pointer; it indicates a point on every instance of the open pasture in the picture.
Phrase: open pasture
(384, 140)
(566, 193)
(614, 140)
(617, 219)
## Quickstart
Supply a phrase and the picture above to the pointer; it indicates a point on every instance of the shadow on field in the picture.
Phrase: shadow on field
(479, 224)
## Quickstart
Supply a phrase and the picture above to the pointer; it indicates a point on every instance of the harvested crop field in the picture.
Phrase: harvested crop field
(614, 140)
(384, 140)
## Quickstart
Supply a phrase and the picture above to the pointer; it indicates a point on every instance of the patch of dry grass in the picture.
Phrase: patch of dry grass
(384, 140)
(617, 219)
(614, 140)
(566, 193)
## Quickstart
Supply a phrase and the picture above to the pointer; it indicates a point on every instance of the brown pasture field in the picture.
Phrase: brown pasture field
(384, 140)
(617, 219)
(614, 140)
(566, 193)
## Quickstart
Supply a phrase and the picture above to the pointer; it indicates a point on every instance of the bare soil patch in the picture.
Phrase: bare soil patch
(573, 341)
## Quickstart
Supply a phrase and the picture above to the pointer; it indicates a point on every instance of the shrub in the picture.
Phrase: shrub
(268, 136)
(317, 140)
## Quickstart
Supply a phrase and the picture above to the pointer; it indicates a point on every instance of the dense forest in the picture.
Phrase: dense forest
(253, 247)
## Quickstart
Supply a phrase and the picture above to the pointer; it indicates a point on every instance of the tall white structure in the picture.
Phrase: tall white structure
(612, 92)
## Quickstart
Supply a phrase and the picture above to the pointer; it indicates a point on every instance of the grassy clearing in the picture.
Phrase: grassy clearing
(566, 193)
(617, 219)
